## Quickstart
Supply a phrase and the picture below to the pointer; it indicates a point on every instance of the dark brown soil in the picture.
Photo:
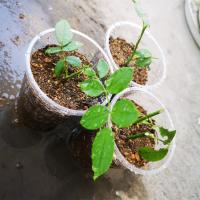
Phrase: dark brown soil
(65, 92)
(129, 147)
(120, 51)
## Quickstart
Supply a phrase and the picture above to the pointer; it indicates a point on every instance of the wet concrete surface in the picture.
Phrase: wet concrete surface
(38, 167)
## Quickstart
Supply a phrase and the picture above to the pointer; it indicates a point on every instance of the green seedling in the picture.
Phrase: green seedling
(64, 37)
(142, 57)
(123, 114)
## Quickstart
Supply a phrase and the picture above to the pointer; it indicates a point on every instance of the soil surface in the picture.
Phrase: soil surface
(120, 51)
(129, 147)
(65, 92)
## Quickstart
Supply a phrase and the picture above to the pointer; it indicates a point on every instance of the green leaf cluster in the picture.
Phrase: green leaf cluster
(97, 116)
(64, 37)
(153, 155)
(150, 154)
(123, 114)
(143, 58)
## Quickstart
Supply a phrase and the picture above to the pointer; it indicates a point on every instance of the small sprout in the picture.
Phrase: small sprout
(64, 37)
(142, 57)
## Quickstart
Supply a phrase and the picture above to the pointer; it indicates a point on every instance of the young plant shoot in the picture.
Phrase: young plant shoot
(64, 37)
(142, 57)
(123, 114)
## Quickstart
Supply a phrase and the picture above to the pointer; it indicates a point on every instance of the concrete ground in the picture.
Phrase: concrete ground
(32, 168)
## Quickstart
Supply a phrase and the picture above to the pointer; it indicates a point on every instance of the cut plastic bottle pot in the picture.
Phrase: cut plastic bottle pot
(35, 107)
(150, 103)
(130, 32)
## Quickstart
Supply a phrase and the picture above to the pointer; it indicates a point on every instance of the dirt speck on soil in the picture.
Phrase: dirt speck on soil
(129, 147)
(121, 50)
(65, 92)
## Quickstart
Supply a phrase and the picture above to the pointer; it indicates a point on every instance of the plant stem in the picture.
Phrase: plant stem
(150, 115)
(106, 94)
(144, 134)
(74, 74)
(138, 135)
(136, 45)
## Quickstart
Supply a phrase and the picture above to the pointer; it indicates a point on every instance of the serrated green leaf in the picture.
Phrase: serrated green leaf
(152, 155)
(59, 67)
(102, 68)
(74, 61)
(143, 58)
(95, 117)
(166, 133)
(89, 72)
(119, 80)
(92, 87)
(102, 152)
(72, 46)
(124, 113)
(52, 50)
(63, 32)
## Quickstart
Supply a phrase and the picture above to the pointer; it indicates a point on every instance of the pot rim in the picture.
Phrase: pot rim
(63, 110)
(148, 33)
(118, 155)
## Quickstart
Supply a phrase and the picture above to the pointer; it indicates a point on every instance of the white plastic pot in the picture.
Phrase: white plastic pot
(130, 32)
(150, 103)
(36, 107)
